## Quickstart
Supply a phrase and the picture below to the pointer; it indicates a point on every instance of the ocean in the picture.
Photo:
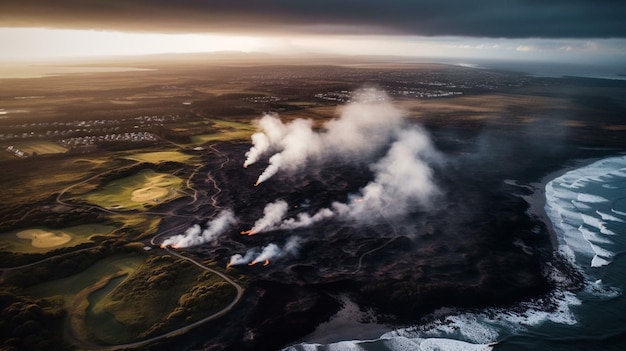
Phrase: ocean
(587, 210)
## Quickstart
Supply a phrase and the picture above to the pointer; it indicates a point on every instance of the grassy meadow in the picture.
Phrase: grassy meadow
(140, 191)
(160, 156)
(41, 240)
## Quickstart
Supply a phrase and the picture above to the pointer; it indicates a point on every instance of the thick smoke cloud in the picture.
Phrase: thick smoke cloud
(403, 180)
(361, 129)
(194, 235)
(479, 18)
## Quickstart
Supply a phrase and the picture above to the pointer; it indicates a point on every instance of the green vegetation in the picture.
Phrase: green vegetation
(73, 291)
(226, 131)
(160, 156)
(67, 288)
(40, 239)
(162, 295)
(136, 226)
(30, 324)
(137, 192)
(40, 147)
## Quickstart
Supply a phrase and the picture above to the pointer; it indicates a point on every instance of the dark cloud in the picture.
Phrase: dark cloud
(478, 18)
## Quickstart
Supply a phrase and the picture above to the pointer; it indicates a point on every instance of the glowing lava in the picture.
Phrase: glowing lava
(247, 232)
(265, 263)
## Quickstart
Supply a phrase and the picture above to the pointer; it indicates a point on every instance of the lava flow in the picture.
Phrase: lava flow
(265, 263)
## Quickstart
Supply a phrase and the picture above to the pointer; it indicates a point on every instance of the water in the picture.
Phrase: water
(587, 207)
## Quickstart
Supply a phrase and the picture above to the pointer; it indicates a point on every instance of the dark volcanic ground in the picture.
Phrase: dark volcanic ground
(477, 247)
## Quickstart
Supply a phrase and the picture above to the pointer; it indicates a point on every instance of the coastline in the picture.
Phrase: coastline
(537, 200)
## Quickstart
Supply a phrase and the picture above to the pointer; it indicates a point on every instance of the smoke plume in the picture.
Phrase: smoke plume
(194, 235)
(269, 252)
(238, 259)
(273, 214)
(361, 129)
(403, 182)
(273, 132)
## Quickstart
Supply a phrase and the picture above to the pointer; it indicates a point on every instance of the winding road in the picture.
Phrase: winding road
(155, 242)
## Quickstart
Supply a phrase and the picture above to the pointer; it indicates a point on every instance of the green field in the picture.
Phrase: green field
(40, 240)
(137, 192)
(160, 156)
(126, 298)
(227, 131)
(40, 147)
(76, 290)
(164, 294)
(136, 226)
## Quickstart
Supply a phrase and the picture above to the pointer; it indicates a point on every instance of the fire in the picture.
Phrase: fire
(257, 183)
(265, 263)
(247, 232)
(228, 265)
(163, 246)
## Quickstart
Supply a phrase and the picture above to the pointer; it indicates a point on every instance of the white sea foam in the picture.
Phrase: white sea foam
(584, 189)
(593, 237)
(581, 205)
(609, 217)
(591, 198)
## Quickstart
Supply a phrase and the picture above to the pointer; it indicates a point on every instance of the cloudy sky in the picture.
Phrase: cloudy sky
(561, 30)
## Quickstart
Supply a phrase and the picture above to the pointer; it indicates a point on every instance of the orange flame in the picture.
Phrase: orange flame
(257, 183)
(228, 265)
(247, 232)
(265, 263)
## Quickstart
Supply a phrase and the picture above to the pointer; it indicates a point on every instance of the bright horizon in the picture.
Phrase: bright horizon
(41, 44)
(580, 32)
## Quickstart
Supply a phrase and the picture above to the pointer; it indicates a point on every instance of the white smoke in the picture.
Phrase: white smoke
(402, 182)
(194, 235)
(360, 130)
(269, 252)
(305, 220)
(238, 259)
(273, 131)
(273, 214)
